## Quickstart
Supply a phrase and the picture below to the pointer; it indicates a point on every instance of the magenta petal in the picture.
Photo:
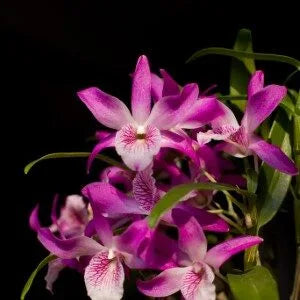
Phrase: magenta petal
(170, 87)
(107, 142)
(141, 91)
(175, 141)
(261, 105)
(256, 84)
(54, 209)
(208, 221)
(203, 111)
(101, 134)
(156, 87)
(191, 236)
(217, 255)
(171, 110)
(109, 200)
(130, 240)
(165, 284)
(157, 256)
(273, 156)
(102, 227)
(69, 248)
(34, 222)
(108, 110)
(104, 277)
(117, 176)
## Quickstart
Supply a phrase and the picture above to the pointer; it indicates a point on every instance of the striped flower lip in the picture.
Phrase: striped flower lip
(137, 145)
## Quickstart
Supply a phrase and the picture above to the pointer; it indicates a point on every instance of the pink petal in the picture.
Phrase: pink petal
(217, 255)
(197, 283)
(107, 142)
(137, 152)
(144, 189)
(69, 248)
(256, 84)
(261, 105)
(165, 284)
(171, 110)
(73, 217)
(203, 111)
(110, 200)
(226, 120)
(191, 236)
(54, 268)
(273, 156)
(141, 91)
(104, 277)
(108, 110)
(222, 126)
(156, 87)
(171, 87)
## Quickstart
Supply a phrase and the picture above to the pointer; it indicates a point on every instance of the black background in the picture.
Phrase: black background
(56, 48)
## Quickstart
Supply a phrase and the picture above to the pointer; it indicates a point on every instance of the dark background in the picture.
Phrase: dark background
(56, 48)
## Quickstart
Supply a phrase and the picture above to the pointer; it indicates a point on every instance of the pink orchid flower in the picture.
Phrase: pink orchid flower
(194, 278)
(139, 135)
(71, 222)
(104, 273)
(241, 140)
(115, 204)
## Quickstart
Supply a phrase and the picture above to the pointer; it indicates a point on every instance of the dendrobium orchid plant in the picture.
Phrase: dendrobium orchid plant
(160, 209)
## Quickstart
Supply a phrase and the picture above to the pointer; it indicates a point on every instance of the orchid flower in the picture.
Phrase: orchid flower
(104, 273)
(194, 277)
(71, 222)
(241, 140)
(139, 135)
(115, 204)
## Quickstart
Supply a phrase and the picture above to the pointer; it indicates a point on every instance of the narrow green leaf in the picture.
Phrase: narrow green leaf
(241, 68)
(176, 193)
(274, 184)
(41, 265)
(73, 155)
(257, 284)
(243, 54)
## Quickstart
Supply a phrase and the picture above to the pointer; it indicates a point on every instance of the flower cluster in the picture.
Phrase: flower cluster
(164, 141)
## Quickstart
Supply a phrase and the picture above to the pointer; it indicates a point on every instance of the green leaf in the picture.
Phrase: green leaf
(288, 105)
(73, 155)
(296, 148)
(41, 265)
(241, 68)
(243, 54)
(257, 284)
(175, 194)
(274, 184)
(252, 179)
